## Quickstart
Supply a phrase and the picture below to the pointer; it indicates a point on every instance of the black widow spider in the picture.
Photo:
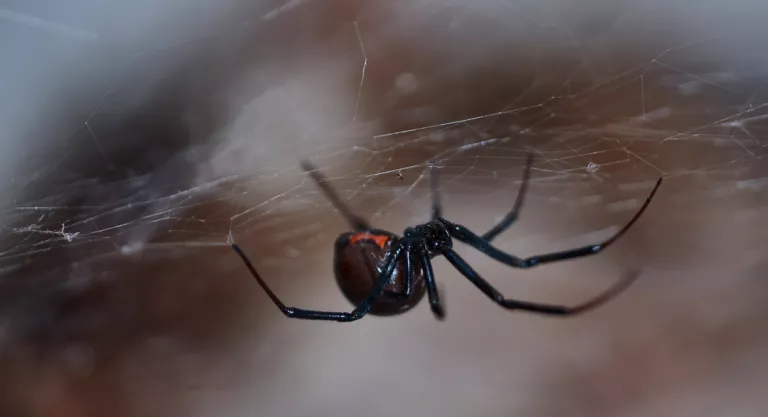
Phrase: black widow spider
(383, 274)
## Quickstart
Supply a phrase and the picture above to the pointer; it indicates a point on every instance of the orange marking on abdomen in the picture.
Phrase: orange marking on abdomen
(381, 240)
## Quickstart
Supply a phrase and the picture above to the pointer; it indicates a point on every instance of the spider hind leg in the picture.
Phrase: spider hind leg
(355, 222)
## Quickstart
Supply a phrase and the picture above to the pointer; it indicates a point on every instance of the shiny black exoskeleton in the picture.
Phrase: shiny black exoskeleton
(383, 274)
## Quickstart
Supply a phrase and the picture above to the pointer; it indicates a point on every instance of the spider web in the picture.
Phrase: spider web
(595, 115)
(169, 144)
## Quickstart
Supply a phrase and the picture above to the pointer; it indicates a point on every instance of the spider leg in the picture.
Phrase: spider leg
(408, 273)
(434, 180)
(356, 222)
(512, 215)
(549, 309)
(361, 310)
(429, 279)
(467, 236)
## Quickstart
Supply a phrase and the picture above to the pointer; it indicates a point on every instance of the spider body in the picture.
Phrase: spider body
(383, 274)
(359, 258)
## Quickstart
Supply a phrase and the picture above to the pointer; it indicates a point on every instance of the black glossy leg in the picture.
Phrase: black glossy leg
(356, 222)
(434, 181)
(548, 309)
(429, 279)
(512, 215)
(407, 248)
(299, 313)
(467, 236)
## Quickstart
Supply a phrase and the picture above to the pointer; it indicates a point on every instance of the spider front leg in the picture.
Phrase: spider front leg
(549, 309)
(299, 313)
(510, 217)
(467, 236)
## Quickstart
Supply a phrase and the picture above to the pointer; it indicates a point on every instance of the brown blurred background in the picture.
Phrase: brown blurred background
(138, 136)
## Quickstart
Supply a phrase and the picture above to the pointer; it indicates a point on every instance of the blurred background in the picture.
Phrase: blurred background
(138, 136)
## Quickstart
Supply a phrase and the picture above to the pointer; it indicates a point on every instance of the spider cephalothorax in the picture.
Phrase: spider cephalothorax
(384, 274)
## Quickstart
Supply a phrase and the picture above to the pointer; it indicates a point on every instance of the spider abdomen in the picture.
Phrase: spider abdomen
(358, 262)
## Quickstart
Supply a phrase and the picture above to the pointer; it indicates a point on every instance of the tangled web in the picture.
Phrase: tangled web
(597, 126)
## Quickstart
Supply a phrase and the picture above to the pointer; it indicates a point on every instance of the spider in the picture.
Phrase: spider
(383, 274)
